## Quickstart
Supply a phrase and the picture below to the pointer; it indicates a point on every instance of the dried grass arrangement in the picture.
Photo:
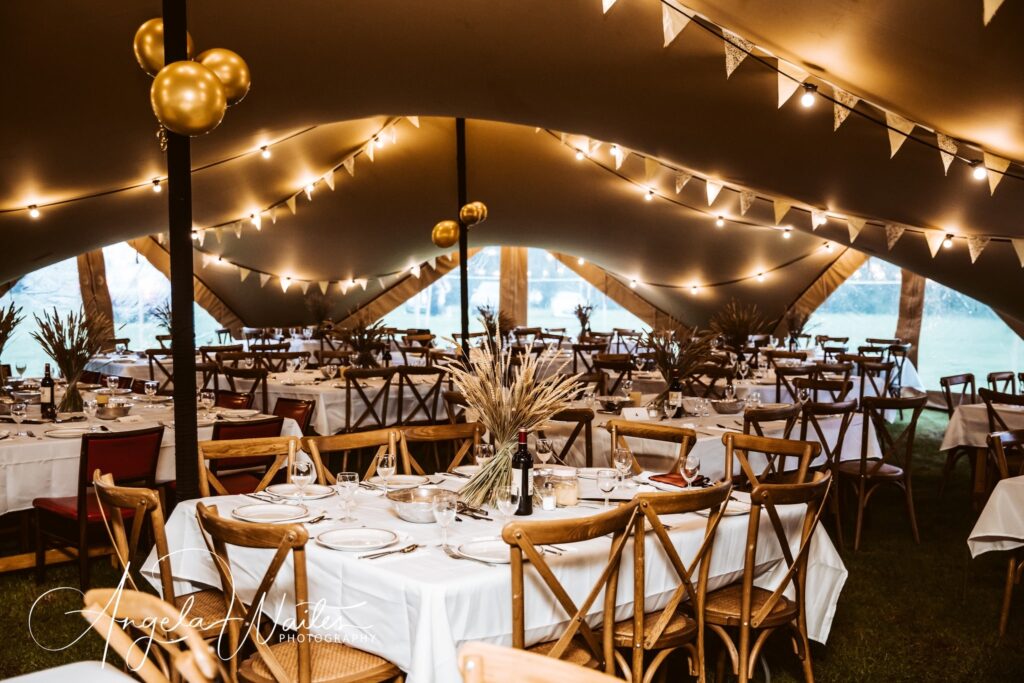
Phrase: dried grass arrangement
(366, 339)
(506, 398)
(735, 322)
(583, 312)
(497, 324)
(162, 313)
(10, 318)
(679, 352)
(70, 341)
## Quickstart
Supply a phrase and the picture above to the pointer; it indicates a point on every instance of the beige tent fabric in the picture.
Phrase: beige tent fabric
(514, 283)
(843, 267)
(908, 327)
(204, 296)
(400, 292)
(92, 278)
(619, 293)
(1011, 322)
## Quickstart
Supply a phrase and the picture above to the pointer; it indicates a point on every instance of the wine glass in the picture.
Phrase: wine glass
(347, 483)
(206, 400)
(19, 411)
(445, 506)
(668, 408)
(754, 399)
(483, 452)
(607, 480)
(112, 382)
(150, 388)
(622, 458)
(507, 499)
(627, 386)
(730, 392)
(307, 333)
(302, 474)
(804, 395)
(21, 368)
(543, 450)
(691, 468)
(743, 369)
(386, 468)
(589, 396)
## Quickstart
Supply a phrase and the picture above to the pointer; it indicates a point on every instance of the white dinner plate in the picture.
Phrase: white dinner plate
(291, 491)
(152, 399)
(238, 412)
(468, 470)
(492, 550)
(399, 481)
(357, 539)
(199, 423)
(733, 507)
(589, 472)
(67, 433)
(270, 513)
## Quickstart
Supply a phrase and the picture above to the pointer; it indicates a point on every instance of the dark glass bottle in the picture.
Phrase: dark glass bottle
(675, 392)
(46, 402)
(522, 475)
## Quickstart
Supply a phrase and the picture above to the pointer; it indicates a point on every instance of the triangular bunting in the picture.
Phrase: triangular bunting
(790, 78)
(160, 237)
(200, 236)
(989, 8)
(899, 129)
(713, 189)
(345, 285)
(380, 281)
(563, 138)
(216, 233)
(433, 263)
(855, 225)
(976, 245)
(414, 120)
(651, 167)
(607, 5)
(286, 282)
(673, 20)
(324, 284)
(621, 156)
(273, 215)
(893, 233)
(369, 150)
(350, 166)
(934, 239)
(1018, 246)
(415, 270)
(238, 230)
(947, 150)
(746, 201)
(681, 180)
(736, 50)
(361, 282)
(243, 273)
(290, 203)
(818, 218)
(264, 279)
(782, 207)
(304, 286)
(843, 105)
(207, 260)
(996, 167)
(329, 179)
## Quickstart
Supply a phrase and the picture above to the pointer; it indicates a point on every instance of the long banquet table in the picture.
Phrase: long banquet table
(1001, 523)
(968, 428)
(417, 609)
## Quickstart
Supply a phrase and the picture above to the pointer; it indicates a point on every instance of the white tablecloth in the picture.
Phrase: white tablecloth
(48, 467)
(1001, 524)
(79, 672)
(125, 366)
(416, 610)
(969, 425)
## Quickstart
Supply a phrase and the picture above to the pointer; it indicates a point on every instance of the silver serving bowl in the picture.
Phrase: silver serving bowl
(729, 406)
(26, 396)
(416, 505)
(112, 412)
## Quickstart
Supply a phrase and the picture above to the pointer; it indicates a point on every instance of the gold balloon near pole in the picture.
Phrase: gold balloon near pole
(445, 234)
(149, 46)
(231, 69)
(473, 213)
(188, 98)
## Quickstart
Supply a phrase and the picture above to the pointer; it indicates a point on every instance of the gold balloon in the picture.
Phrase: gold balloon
(473, 213)
(445, 234)
(149, 46)
(231, 69)
(188, 98)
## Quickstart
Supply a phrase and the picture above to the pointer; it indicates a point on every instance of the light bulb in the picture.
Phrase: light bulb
(615, 151)
(978, 171)
(649, 196)
(195, 234)
(693, 289)
(580, 261)
(786, 233)
(157, 187)
(760, 277)
(828, 246)
(256, 220)
(33, 211)
(719, 222)
(309, 191)
(807, 99)
(579, 155)
(632, 283)
(378, 142)
(265, 152)
(948, 242)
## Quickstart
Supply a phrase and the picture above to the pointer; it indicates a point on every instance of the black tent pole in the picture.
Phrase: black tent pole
(179, 205)
(460, 165)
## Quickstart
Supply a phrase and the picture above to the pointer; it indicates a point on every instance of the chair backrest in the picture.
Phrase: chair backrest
(992, 399)
(755, 419)
(332, 357)
(208, 376)
(236, 400)
(257, 378)
(160, 369)
(128, 457)
(832, 389)
(831, 354)
(209, 353)
(131, 621)
(1003, 382)
(964, 385)
(874, 409)
(776, 355)
(482, 662)
(419, 394)
(113, 343)
(164, 340)
(277, 361)
(1003, 444)
(524, 540)
(620, 430)
(811, 415)
(224, 430)
(824, 339)
(373, 413)
(704, 381)
(877, 375)
(270, 452)
(300, 410)
(583, 354)
(269, 348)
(455, 405)
(784, 378)
(384, 440)
(462, 437)
(582, 420)
(774, 452)
(618, 365)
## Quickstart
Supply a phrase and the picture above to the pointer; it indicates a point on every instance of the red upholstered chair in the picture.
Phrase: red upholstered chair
(129, 457)
(297, 409)
(243, 475)
(233, 399)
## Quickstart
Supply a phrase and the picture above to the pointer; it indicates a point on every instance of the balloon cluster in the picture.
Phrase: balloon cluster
(446, 233)
(190, 97)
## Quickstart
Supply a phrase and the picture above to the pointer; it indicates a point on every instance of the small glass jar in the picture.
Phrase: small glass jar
(565, 482)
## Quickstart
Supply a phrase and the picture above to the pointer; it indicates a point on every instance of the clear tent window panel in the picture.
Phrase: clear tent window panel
(437, 307)
(137, 288)
(55, 286)
(555, 291)
(866, 305)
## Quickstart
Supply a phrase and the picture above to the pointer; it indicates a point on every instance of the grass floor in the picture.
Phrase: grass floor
(907, 613)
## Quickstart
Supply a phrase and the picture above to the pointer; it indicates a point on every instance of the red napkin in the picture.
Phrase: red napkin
(670, 478)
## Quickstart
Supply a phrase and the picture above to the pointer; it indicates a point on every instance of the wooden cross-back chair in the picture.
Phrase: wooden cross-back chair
(775, 453)
(277, 361)
(583, 356)
(462, 438)
(594, 381)
(329, 341)
(582, 420)
(237, 359)
(204, 609)
(455, 405)
(419, 394)
(112, 344)
(526, 335)
(956, 391)
(878, 352)
(257, 378)
(481, 662)
(833, 390)
(225, 336)
(126, 619)
(1004, 382)
(832, 371)
(802, 341)
(209, 376)
(627, 340)
(703, 383)
(992, 399)
(620, 430)
(877, 341)
(824, 340)
(578, 642)
(208, 354)
(897, 354)
(160, 370)
(680, 623)
(412, 352)
(877, 375)
(165, 340)
(323, 450)
(221, 462)
(774, 356)
(811, 428)
(758, 612)
(332, 357)
(619, 366)
(867, 474)
(273, 347)
(296, 660)
(756, 419)
(831, 354)
(374, 399)
(1007, 449)
(785, 376)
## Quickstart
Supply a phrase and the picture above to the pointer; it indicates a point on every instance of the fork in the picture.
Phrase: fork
(456, 556)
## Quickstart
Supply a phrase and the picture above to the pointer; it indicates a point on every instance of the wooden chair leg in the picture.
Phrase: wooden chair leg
(910, 511)
(860, 515)
(83, 555)
(40, 550)
(1004, 613)
(743, 670)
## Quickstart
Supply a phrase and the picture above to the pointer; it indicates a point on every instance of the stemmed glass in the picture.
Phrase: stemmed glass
(627, 387)
(691, 468)
(347, 483)
(302, 474)
(483, 452)
(589, 396)
(507, 499)
(668, 408)
(386, 468)
(21, 368)
(206, 400)
(112, 382)
(307, 333)
(19, 411)
(150, 388)
(754, 399)
(329, 370)
(607, 480)
(743, 369)
(445, 506)
(90, 408)
(544, 452)
(622, 458)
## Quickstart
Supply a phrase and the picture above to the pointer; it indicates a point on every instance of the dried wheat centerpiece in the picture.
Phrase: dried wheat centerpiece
(506, 397)
(71, 341)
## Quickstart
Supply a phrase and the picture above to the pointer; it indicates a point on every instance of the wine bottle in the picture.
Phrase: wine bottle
(46, 404)
(675, 391)
(522, 475)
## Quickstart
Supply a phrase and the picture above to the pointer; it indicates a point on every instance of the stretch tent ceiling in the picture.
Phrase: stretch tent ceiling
(79, 123)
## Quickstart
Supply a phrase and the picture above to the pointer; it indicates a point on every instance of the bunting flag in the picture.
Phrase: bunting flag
(855, 225)
(361, 281)
(290, 202)
(329, 179)
(673, 20)
(414, 120)
(996, 168)
(324, 284)
(893, 233)
(200, 236)
(273, 214)
(651, 167)
(621, 157)
(264, 278)
(607, 5)
(1018, 246)
(304, 286)
(899, 129)
(841, 108)
(206, 258)
(380, 281)
(947, 150)
(782, 207)
(818, 219)
(433, 263)
(216, 233)
(713, 189)
(934, 239)
(681, 180)
(989, 8)
(243, 273)
(746, 201)
(238, 230)
(736, 50)
(350, 165)
(345, 285)
(369, 149)
(286, 282)
(976, 245)
(415, 270)
(160, 237)
(790, 78)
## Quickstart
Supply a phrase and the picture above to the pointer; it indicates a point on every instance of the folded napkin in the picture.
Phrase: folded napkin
(674, 479)
(129, 419)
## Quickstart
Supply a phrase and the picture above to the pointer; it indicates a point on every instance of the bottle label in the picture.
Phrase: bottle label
(517, 479)
(529, 481)
(45, 394)
(675, 397)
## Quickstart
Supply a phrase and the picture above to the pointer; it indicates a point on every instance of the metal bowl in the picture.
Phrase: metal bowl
(113, 411)
(417, 505)
(728, 406)
(26, 396)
